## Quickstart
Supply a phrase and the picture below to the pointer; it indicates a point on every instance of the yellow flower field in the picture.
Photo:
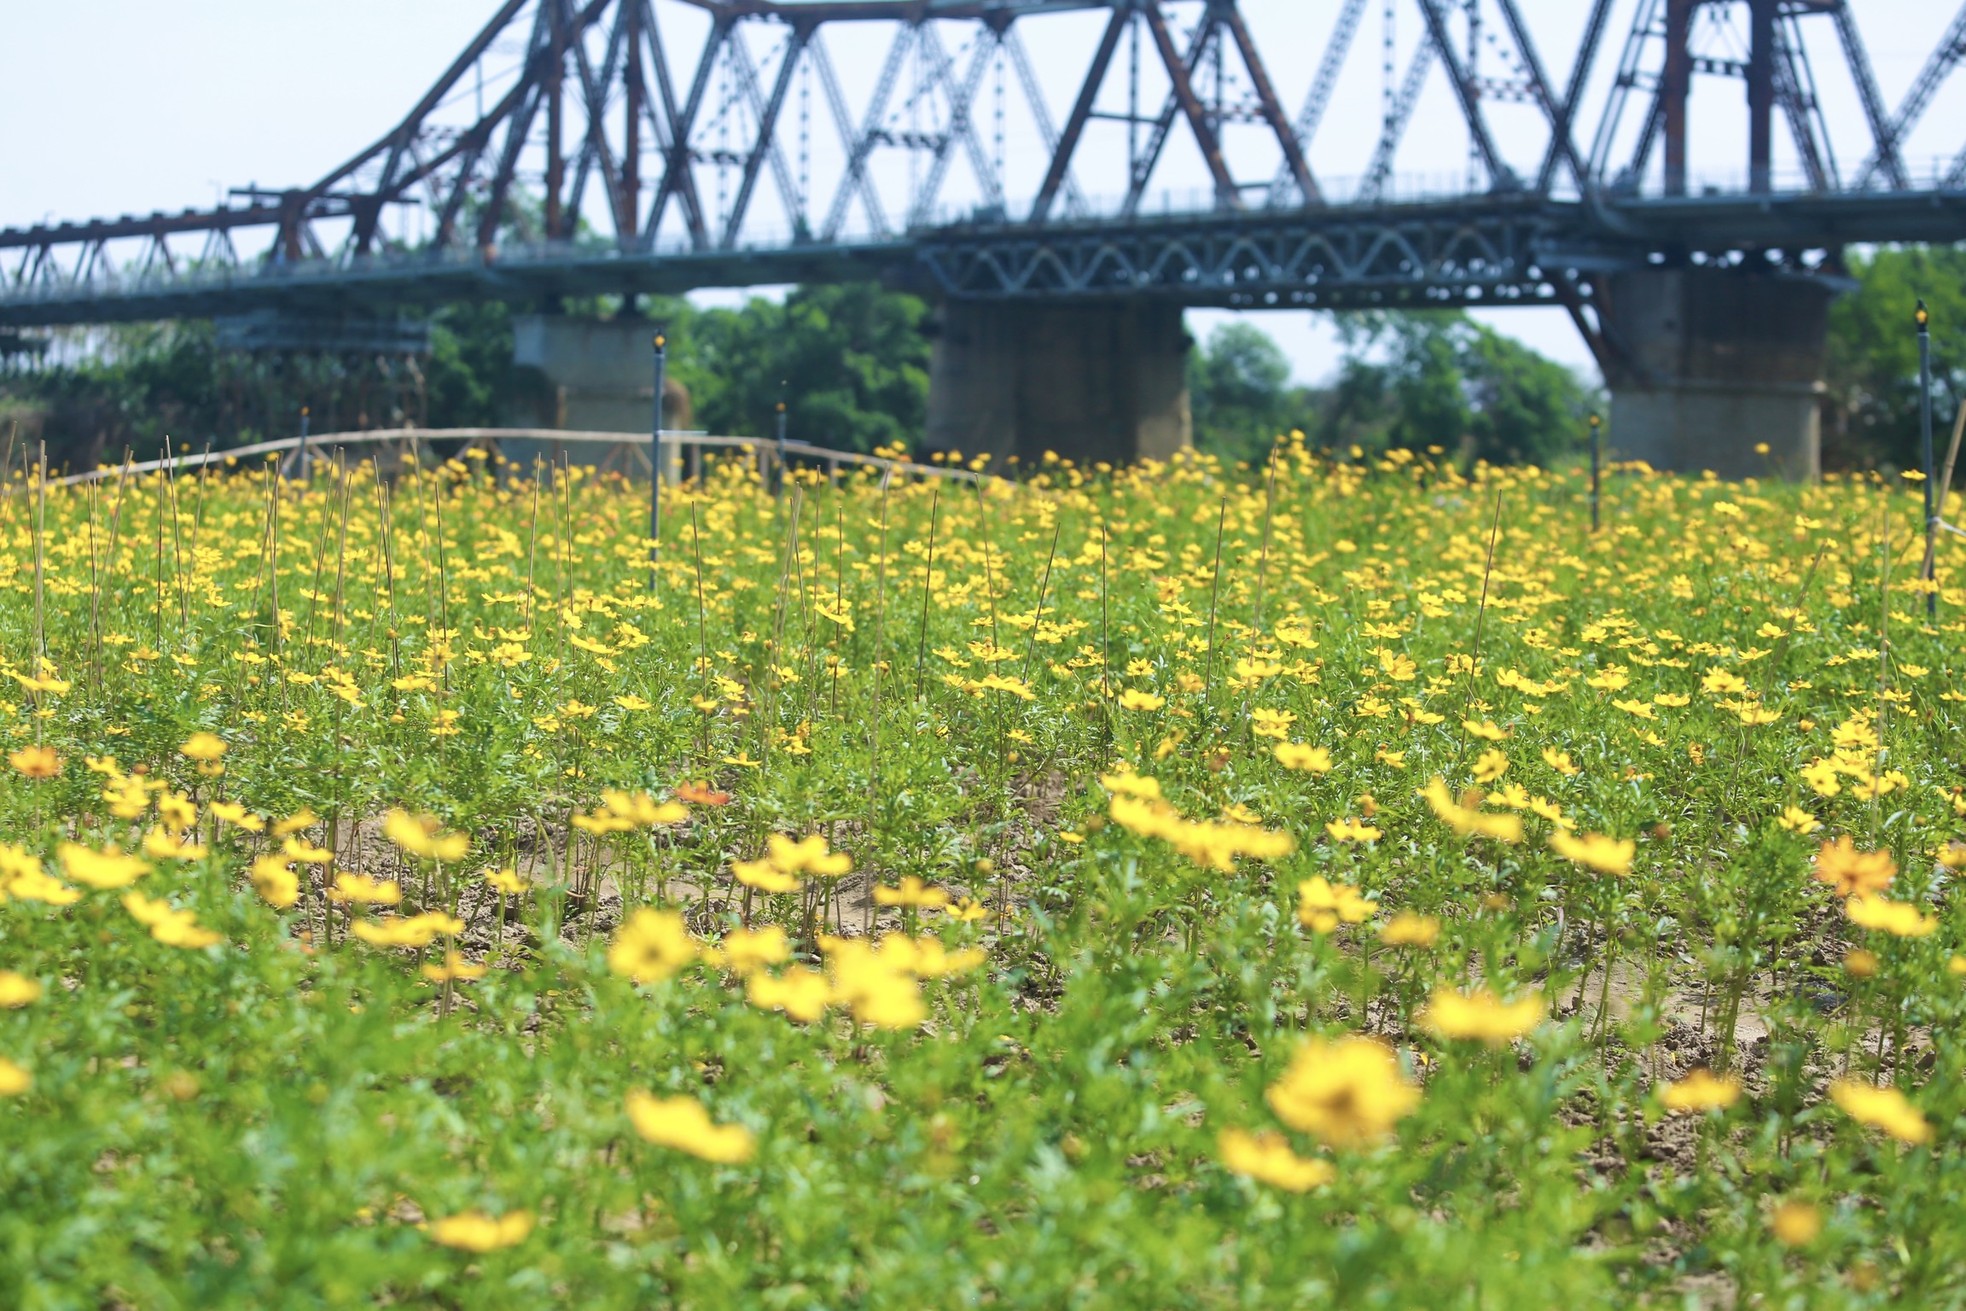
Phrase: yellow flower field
(1338, 882)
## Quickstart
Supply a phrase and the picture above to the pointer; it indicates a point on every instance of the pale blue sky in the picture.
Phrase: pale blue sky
(114, 106)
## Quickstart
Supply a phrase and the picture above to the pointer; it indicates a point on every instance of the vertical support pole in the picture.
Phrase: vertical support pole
(555, 122)
(1923, 318)
(303, 461)
(1761, 95)
(627, 223)
(1597, 466)
(661, 345)
(1676, 88)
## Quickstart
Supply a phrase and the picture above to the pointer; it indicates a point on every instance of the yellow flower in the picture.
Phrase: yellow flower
(363, 890)
(1134, 699)
(1480, 1015)
(100, 869)
(968, 911)
(416, 931)
(1850, 871)
(1797, 820)
(746, 951)
(14, 1080)
(1560, 761)
(507, 881)
(1408, 929)
(17, 990)
(651, 946)
(1267, 1158)
(1881, 1108)
(1606, 855)
(237, 816)
(1491, 765)
(1484, 729)
(1208, 844)
(808, 855)
(35, 762)
(1795, 1223)
(1900, 919)
(421, 836)
(474, 1231)
(305, 852)
(1345, 1093)
(1721, 682)
(682, 1123)
(1821, 778)
(800, 992)
(623, 812)
(167, 924)
(764, 876)
(1466, 820)
(1352, 830)
(203, 747)
(302, 819)
(1322, 905)
(275, 881)
(162, 844)
(912, 892)
(1702, 1090)
(1303, 758)
(454, 967)
(22, 876)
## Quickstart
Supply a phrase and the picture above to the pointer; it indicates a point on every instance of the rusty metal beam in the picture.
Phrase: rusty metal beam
(1068, 141)
(1266, 100)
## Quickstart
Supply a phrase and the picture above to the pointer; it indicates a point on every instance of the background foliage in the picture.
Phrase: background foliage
(852, 363)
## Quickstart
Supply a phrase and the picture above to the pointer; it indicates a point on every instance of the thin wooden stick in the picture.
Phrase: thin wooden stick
(874, 716)
(1214, 593)
(928, 588)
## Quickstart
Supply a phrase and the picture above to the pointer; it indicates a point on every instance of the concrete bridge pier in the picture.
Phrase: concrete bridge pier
(594, 376)
(1715, 362)
(1089, 380)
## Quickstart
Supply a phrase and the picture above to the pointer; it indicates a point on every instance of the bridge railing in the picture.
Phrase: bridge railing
(624, 452)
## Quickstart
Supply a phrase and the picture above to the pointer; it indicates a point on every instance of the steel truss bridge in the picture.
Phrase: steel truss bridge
(1063, 149)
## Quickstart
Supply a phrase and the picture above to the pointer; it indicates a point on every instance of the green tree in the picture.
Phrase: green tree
(1873, 354)
(1441, 379)
(850, 361)
(1240, 393)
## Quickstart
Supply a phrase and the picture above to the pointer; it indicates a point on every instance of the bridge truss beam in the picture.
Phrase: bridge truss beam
(679, 143)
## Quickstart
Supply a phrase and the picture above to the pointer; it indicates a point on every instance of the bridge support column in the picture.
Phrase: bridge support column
(1716, 362)
(595, 376)
(1091, 381)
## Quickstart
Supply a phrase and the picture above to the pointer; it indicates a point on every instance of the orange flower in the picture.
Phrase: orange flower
(35, 762)
(1850, 871)
(701, 794)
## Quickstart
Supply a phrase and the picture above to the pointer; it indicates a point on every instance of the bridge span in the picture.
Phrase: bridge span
(1066, 176)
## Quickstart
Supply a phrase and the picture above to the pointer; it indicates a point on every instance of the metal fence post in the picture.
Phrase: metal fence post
(655, 455)
(1924, 320)
(1597, 428)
